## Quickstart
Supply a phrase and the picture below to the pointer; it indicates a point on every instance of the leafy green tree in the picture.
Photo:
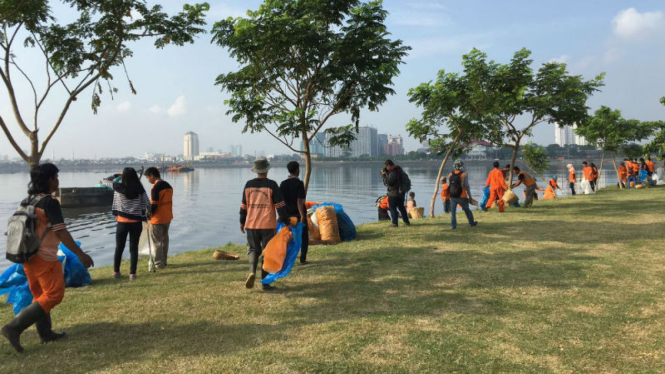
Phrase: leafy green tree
(77, 55)
(452, 113)
(304, 61)
(657, 144)
(520, 98)
(610, 132)
(535, 158)
(552, 150)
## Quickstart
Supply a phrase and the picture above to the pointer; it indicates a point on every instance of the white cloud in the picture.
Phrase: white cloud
(631, 24)
(124, 106)
(563, 59)
(427, 5)
(178, 108)
(454, 44)
(156, 109)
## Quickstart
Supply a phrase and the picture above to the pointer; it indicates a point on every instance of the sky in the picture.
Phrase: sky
(176, 91)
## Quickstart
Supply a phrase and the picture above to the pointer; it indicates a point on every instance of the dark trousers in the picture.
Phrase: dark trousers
(464, 202)
(593, 185)
(383, 215)
(256, 243)
(446, 206)
(304, 247)
(397, 203)
(134, 231)
(572, 187)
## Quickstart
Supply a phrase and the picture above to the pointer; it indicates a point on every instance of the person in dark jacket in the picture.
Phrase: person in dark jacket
(130, 208)
(392, 179)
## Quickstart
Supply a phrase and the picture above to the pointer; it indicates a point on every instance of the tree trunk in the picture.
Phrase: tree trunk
(512, 162)
(614, 161)
(600, 171)
(308, 161)
(438, 177)
(34, 150)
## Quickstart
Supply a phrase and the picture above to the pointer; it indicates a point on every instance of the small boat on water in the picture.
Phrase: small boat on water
(87, 197)
(180, 169)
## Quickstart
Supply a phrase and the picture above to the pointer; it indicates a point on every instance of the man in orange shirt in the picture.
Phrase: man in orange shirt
(497, 185)
(260, 197)
(630, 171)
(529, 185)
(161, 199)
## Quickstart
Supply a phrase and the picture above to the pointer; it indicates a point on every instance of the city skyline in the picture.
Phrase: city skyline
(621, 38)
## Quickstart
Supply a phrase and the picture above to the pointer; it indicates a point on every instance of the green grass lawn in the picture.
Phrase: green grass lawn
(569, 286)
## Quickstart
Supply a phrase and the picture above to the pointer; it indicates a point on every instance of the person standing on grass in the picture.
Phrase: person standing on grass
(293, 190)
(260, 197)
(445, 195)
(572, 178)
(392, 179)
(161, 198)
(460, 194)
(529, 186)
(497, 183)
(130, 208)
(623, 174)
(43, 270)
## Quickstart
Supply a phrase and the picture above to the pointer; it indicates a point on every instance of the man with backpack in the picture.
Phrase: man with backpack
(460, 194)
(38, 251)
(398, 184)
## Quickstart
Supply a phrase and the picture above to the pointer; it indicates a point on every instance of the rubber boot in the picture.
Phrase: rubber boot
(253, 260)
(13, 330)
(45, 330)
(266, 287)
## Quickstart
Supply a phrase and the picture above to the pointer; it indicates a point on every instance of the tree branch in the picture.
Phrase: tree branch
(12, 141)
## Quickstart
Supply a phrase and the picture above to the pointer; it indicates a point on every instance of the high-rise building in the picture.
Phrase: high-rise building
(366, 143)
(317, 146)
(191, 146)
(394, 146)
(382, 142)
(235, 150)
(565, 135)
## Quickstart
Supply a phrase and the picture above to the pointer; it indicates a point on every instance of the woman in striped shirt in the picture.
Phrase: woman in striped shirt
(130, 207)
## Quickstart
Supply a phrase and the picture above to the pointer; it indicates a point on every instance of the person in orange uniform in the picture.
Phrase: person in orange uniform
(43, 270)
(636, 167)
(161, 200)
(594, 177)
(529, 185)
(445, 195)
(650, 165)
(631, 176)
(550, 191)
(497, 184)
(586, 169)
(383, 207)
(623, 174)
(572, 178)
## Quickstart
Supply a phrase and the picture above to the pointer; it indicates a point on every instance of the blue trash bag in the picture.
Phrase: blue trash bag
(14, 284)
(76, 275)
(516, 205)
(292, 251)
(486, 197)
(347, 230)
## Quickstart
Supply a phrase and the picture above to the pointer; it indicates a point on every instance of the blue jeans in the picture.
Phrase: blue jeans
(454, 201)
(631, 178)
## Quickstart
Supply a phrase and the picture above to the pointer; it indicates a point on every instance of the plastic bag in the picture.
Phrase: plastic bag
(292, 251)
(314, 234)
(486, 197)
(275, 251)
(76, 275)
(14, 284)
(347, 230)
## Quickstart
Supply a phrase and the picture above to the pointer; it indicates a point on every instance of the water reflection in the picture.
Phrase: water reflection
(207, 201)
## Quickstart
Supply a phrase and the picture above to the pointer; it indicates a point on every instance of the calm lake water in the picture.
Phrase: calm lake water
(206, 201)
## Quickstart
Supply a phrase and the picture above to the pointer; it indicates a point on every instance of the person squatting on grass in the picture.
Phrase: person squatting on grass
(260, 197)
(293, 191)
(392, 179)
(130, 208)
(43, 270)
(161, 215)
(529, 185)
(460, 194)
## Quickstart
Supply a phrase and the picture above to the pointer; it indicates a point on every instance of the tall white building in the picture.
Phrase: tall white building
(566, 136)
(191, 144)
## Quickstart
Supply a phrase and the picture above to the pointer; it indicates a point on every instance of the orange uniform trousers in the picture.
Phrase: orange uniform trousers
(46, 282)
(496, 193)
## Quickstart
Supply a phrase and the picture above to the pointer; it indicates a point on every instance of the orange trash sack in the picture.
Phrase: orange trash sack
(275, 252)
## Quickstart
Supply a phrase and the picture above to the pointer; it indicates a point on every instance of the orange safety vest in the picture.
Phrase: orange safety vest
(622, 172)
(463, 195)
(571, 176)
(629, 168)
(444, 192)
(636, 168)
(588, 173)
(528, 181)
(384, 203)
(651, 166)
